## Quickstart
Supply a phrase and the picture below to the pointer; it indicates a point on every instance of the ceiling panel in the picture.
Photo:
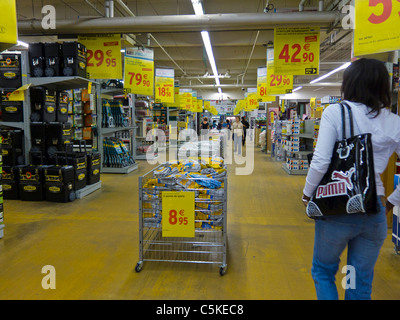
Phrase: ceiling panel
(236, 52)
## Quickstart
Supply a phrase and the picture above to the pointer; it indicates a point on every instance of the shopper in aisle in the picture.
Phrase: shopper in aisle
(237, 127)
(245, 127)
(366, 89)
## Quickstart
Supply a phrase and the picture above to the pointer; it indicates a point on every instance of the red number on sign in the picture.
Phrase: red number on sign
(138, 77)
(99, 56)
(387, 11)
(89, 57)
(272, 83)
(172, 217)
(296, 47)
(285, 53)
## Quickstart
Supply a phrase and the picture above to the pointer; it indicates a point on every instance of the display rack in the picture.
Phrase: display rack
(209, 244)
(126, 133)
(52, 83)
(145, 123)
(298, 143)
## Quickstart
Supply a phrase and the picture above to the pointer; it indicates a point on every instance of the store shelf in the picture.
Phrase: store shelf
(115, 129)
(125, 170)
(294, 172)
(145, 157)
(19, 125)
(87, 190)
(61, 83)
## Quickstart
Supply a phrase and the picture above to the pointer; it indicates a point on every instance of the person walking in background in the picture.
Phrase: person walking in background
(245, 127)
(204, 127)
(366, 89)
(237, 127)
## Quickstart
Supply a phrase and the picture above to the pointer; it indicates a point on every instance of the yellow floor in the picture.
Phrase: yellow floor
(93, 245)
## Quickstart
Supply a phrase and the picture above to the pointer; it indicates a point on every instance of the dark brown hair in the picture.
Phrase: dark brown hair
(367, 81)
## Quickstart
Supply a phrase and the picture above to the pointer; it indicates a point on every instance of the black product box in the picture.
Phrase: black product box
(43, 104)
(38, 134)
(59, 183)
(10, 71)
(74, 59)
(31, 183)
(93, 167)
(53, 59)
(62, 106)
(36, 59)
(12, 137)
(11, 156)
(9, 180)
(12, 111)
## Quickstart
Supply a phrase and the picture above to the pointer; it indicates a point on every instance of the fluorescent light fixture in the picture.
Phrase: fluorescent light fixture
(197, 7)
(332, 72)
(198, 10)
(23, 44)
(297, 89)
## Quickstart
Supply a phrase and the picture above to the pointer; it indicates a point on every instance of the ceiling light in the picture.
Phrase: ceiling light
(197, 7)
(23, 44)
(198, 10)
(332, 72)
(297, 89)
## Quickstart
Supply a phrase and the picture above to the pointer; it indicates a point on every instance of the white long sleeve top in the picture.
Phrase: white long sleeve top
(385, 130)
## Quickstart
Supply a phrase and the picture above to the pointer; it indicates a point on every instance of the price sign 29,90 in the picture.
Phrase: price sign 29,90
(296, 51)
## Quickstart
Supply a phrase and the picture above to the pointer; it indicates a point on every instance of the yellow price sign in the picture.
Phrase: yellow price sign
(178, 214)
(296, 51)
(207, 105)
(103, 55)
(277, 83)
(252, 101)
(164, 85)
(377, 26)
(261, 82)
(8, 24)
(139, 71)
(199, 105)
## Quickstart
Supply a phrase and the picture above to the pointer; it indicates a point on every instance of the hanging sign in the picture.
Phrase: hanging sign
(164, 85)
(252, 101)
(277, 83)
(139, 71)
(199, 105)
(103, 55)
(8, 24)
(296, 51)
(178, 214)
(377, 26)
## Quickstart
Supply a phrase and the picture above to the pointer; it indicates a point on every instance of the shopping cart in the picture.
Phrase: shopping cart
(209, 244)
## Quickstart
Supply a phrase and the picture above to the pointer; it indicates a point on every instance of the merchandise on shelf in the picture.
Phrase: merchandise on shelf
(116, 154)
(11, 111)
(53, 59)
(10, 71)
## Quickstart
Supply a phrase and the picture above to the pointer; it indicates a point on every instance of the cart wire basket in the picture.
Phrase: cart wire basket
(209, 183)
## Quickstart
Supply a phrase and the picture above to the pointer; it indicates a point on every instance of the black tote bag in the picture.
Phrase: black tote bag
(349, 184)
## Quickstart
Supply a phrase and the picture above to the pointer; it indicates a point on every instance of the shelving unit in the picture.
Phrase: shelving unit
(129, 110)
(145, 123)
(296, 162)
(52, 83)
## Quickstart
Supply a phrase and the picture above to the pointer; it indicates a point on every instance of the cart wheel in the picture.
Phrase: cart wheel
(139, 266)
(397, 249)
(222, 270)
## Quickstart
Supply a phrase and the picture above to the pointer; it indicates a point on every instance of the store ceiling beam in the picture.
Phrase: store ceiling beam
(235, 86)
(182, 23)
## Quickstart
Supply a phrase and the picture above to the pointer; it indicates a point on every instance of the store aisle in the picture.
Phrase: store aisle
(93, 245)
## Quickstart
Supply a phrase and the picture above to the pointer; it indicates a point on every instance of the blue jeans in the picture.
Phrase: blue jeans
(364, 236)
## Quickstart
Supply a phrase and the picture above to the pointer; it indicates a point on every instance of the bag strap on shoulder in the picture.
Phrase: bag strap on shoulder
(344, 120)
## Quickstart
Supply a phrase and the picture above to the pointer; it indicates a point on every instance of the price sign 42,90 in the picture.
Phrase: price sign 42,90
(296, 51)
